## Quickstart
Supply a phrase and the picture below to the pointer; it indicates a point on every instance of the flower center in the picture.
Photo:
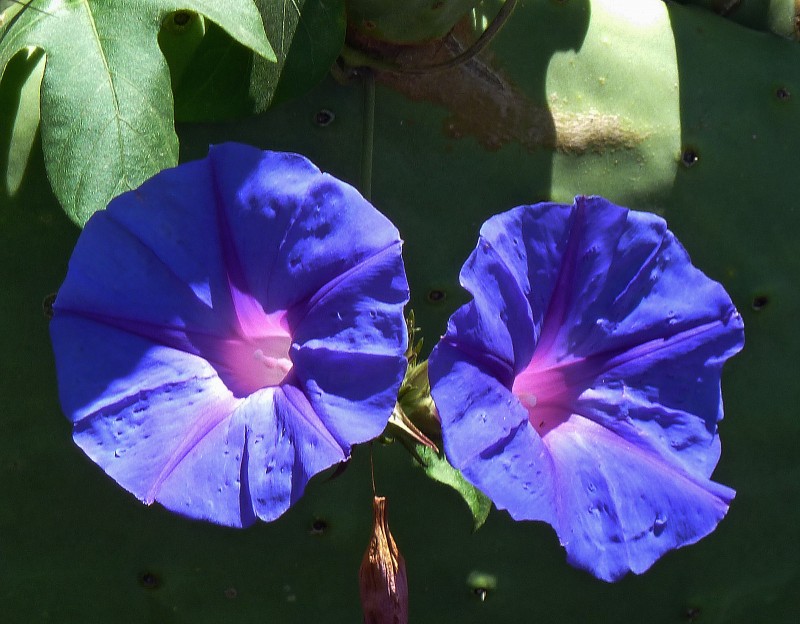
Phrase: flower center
(260, 359)
(545, 394)
(275, 362)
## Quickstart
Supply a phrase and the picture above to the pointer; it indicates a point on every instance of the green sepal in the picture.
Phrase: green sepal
(439, 469)
(415, 424)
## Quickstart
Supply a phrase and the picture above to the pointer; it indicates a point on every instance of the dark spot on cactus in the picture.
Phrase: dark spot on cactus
(437, 5)
(319, 527)
(782, 93)
(760, 302)
(324, 118)
(436, 296)
(690, 614)
(481, 583)
(47, 305)
(689, 157)
(181, 18)
(149, 580)
(481, 593)
(368, 24)
(231, 593)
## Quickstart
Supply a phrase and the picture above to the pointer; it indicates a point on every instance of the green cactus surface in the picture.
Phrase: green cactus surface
(781, 17)
(657, 106)
(406, 21)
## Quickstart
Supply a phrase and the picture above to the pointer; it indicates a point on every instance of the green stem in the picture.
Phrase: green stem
(368, 137)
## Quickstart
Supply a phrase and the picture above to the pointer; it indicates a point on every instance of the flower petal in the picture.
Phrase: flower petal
(360, 310)
(350, 391)
(231, 316)
(620, 508)
(596, 321)
(161, 428)
(287, 444)
(487, 436)
(296, 229)
(168, 226)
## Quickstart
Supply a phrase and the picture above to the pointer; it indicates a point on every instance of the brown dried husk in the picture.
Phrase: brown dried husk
(382, 577)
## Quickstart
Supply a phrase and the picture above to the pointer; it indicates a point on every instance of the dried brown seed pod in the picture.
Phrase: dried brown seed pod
(382, 577)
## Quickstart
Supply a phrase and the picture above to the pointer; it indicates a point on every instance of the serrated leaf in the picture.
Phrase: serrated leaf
(107, 112)
(439, 469)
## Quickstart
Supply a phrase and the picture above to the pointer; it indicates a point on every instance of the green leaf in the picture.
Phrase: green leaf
(320, 21)
(107, 114)
(18, 129)
(210, 74)
(280, 19)
(439, 469)
(222, 79)
(318, 40)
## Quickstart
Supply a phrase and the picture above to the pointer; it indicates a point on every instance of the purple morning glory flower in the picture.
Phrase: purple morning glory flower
(581, 386)
(230, 329)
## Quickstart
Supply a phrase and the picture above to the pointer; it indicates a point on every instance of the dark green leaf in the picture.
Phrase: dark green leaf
(107, 117)
(317, 41)
(224, 80)
(210, 74)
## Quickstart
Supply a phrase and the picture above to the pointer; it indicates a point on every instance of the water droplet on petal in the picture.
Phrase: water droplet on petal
(527, 399)
(659, 524)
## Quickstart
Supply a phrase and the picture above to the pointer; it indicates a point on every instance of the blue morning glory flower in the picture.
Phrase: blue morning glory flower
(581, 385)
(230, 329)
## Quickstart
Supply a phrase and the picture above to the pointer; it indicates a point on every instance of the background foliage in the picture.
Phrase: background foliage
(666, 107)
